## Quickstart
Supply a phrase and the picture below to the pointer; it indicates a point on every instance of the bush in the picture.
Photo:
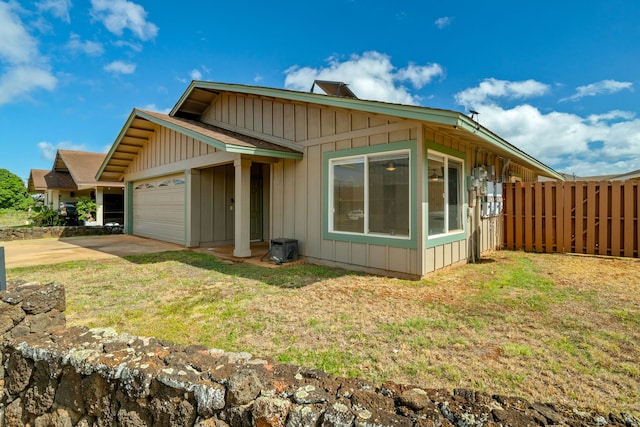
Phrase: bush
(86, 209)
(45, 217)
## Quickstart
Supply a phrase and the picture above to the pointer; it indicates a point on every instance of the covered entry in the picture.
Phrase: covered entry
(194, 183)
(219, 203)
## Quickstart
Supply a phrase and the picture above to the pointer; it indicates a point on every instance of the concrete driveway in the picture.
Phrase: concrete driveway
(23, 253)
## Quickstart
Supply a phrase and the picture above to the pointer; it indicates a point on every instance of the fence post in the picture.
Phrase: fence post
(3, 272)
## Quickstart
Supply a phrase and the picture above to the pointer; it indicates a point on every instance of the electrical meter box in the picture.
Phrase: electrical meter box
(498, 200)
(487, 201)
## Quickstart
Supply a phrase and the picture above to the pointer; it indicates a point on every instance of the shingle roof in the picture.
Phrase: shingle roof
(72, 170)
(141, 125)
(219, 134)
(42, 180)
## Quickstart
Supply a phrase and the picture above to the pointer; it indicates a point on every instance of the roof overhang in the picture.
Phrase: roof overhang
(141, 126)
(198, 96)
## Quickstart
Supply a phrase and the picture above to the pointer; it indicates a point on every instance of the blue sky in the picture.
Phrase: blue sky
(560, 80)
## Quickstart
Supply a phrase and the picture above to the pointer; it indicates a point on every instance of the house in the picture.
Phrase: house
(372, 186)
(72, 176)
(627, 176)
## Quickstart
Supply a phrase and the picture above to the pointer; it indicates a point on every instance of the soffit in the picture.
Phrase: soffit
(142, 125)
(455, 124)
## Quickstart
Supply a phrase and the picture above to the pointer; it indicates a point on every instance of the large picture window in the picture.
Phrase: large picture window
(370, 194)
(445, 189)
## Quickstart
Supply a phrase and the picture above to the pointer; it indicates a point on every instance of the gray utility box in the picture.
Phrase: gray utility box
(284, 250)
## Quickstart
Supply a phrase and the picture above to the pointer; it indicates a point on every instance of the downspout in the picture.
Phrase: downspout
(477, 218)
(502, 222)
(504, 170)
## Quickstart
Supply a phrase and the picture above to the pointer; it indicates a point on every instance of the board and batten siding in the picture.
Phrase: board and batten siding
(217, 217)
(296, 197)
(167, 147)
(489, 231)
(296, 185)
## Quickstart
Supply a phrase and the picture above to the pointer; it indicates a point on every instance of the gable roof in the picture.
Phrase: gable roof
(140, 127)
(42, 180)
(72, 170)
(184, 118)
(200, 94)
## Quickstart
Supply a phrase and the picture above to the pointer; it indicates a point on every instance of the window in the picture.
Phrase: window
(445, 189)
(370, 194)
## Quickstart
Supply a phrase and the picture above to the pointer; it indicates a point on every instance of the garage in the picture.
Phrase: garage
(159, 208)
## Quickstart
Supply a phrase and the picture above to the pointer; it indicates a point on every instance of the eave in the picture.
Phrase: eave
(200, 94)
(141, 126)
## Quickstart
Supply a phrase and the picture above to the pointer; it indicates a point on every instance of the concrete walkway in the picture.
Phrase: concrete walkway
(24, 253)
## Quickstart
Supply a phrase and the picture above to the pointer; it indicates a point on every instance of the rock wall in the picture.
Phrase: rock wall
(28, 233)
(55, 376)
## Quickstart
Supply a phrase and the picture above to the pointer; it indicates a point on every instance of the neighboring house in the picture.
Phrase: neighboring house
(627, 176)
(366, 185)
(73, 176)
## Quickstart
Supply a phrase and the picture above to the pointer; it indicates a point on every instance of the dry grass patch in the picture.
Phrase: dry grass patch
(545, 327)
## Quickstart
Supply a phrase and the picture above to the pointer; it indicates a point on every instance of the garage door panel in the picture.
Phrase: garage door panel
(158, 209)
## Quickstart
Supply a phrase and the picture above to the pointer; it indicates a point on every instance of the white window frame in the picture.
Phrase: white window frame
(365, 159)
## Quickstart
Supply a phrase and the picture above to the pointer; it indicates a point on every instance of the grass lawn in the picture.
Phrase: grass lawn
(12, 218)
(551, 328)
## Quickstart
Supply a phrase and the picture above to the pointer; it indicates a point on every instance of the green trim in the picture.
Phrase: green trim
(458, 122)
(128, 222)
(115, 145)
(231, 148)
(375, 107)
(411, 242)
(433, 146)
(188, 184)
(448, 238)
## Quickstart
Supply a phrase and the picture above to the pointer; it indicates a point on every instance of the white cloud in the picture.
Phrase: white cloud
(25, 69)
(136, 47)
(370, 76)
(120, 67)
(195, 75)
(48, 150)
(445, 21)
(609, 116)
(17, 47)
(154, 107)
(603, 87)
(592, 145)
(58, 8)
(87, 47)
(493, 88)
(420, 76)
(118, 15)
(20, 80)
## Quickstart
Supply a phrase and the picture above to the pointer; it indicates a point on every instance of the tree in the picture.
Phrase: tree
(13, 192)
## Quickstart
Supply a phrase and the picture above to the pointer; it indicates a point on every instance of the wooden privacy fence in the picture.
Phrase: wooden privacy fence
(599, 218)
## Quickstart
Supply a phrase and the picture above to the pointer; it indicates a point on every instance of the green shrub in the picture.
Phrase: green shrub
(45, 217)
(86, 208)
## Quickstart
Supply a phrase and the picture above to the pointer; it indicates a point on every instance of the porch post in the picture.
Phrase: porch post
(100, 205)
(242, 208)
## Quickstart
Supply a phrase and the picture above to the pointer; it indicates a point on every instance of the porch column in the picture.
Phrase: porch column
(242, 208)
(99, 205)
